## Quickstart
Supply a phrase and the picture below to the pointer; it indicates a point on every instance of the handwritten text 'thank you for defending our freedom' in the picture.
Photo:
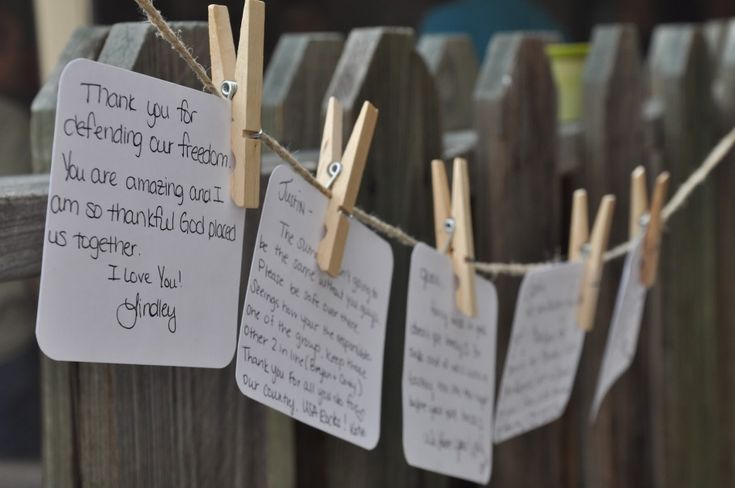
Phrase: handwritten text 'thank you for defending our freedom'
(142, 245)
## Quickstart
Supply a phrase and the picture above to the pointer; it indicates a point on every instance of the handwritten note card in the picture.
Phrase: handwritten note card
(544, 351)
(311, 346)
(622, 338)
(142, 246)
(448, 372)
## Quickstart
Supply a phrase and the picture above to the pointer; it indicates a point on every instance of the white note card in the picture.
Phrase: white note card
(142, 246)
(448, 372)
(622, 338)
(544, 351)
(311, 346)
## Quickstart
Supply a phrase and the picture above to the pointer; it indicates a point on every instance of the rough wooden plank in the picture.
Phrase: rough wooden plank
(459, 144)
(715, 34)
(381, 65)
(618, 449)
(724, 180)
(653, 132)
(114, 425)
(680, 80)
(135, 46)
(570, 148)
(297, 78)
(452, 62)
(515, 119)
(22, 216)
(20, 474)
(86, 42)
(724, 78)
(58, 450)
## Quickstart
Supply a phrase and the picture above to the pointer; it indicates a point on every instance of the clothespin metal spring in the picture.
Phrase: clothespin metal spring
(449, 226)
(228, 89)
(333, 171)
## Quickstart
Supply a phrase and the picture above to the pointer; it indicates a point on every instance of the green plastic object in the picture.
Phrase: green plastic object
(567, 65)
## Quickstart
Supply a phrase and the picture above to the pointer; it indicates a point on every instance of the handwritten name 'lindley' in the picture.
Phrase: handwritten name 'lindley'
(128, 312)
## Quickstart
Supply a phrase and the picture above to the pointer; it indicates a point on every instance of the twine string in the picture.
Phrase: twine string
(677, 201)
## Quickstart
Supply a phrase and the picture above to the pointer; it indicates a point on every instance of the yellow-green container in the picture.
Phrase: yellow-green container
(567, 65)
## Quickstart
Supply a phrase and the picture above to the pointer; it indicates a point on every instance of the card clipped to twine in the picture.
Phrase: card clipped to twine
(677, 201)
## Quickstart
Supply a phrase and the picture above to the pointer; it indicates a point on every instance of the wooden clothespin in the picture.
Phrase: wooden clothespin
(590, 289)
(342, 174)
(579, 231)
(453, 228)
(240, 78)
(638, 208)
(638, 200)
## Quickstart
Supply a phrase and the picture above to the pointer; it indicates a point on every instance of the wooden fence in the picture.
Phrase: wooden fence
(670, 421)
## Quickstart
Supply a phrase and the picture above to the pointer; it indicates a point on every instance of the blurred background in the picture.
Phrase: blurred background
(33, 33)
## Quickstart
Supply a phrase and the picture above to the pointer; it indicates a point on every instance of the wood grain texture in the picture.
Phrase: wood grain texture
(570, 150)
(725, 229)
(452, 62)
(619, 448)
(681, 81)
(715, 35)
(135, 46)
(86, 42)
(514, 181)
(724, 78)
(22, 217)
(381, 65)
(114, 425)
(295, 83)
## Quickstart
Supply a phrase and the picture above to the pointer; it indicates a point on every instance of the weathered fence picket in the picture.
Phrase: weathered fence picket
(516, 123)
(23, 212)
(668, 422)
(451, 60)
(681, 80)
(295, 82)
(118, 425)
(724, 90)
(382, 65)
(86, 42)
(612, 127)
